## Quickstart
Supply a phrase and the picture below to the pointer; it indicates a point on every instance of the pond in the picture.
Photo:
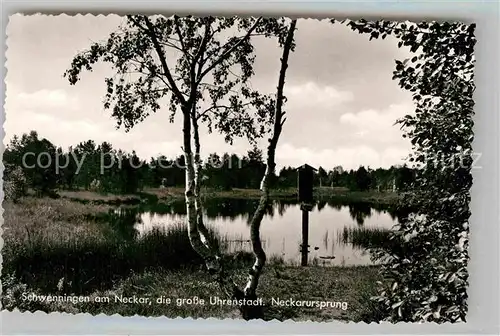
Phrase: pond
(337, 234)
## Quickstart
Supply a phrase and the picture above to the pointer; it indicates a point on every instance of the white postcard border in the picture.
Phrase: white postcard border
(484, 296)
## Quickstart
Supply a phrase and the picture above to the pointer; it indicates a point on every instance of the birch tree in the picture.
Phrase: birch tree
(279, 119)
(199, 67)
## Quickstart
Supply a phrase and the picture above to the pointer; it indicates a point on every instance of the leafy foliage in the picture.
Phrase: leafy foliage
(363, 180)
(429, 273)
(187, 60)
(15, 184)
(141, 53)
(36, 159)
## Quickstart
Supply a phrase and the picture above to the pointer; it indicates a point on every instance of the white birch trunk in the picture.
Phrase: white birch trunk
(208, 241)
(213, 258)
(260, 255)
(194, 234)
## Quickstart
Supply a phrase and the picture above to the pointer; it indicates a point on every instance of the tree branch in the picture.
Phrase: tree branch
(151, 33)
(215, 107)
(171, 45)
(396, 25)
(179, 34)
(278, 123)
(203, 45)
(229, 51)
(192, 71)
(260, 255)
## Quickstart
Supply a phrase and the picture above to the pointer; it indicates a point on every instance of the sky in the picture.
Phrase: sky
(341, 108)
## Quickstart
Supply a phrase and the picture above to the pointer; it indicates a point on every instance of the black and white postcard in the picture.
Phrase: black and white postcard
(247, 167)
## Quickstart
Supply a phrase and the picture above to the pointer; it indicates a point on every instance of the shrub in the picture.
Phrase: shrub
(15, 184)
(428, 274)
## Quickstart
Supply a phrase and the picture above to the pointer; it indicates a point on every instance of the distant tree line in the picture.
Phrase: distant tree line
(43, 167)
(361, 179)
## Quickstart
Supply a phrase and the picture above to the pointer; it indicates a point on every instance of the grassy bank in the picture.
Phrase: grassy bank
(324, 193)
(61, 247)
(353, 285)
(84, 246)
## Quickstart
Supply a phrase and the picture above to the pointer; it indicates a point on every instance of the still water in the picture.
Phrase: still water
(281, 229)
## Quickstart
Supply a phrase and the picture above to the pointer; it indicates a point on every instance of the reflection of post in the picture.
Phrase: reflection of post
(305, 194)
(305, 236)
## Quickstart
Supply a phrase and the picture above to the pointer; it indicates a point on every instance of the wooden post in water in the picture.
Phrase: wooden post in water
(305, 178)
(305, 236)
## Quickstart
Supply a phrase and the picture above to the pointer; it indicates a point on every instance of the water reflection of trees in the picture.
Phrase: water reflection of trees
(359, 212)
(233, 208)
(122, 221)
(281, 208)
(334, 204)
(125, 219)
(321, 205)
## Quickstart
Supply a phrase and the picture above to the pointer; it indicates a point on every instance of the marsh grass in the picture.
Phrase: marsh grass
(50, 220)
(353, 285)
(56, 246)
(364, 238)
(94, 197)
(276, 260)
(47, 241)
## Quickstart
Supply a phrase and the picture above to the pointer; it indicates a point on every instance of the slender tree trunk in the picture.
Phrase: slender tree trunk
(190, 196)
(260, 255)
(210, 249)
(210, 243)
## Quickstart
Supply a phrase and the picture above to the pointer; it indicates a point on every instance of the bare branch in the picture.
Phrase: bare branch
(282, 122)
(216, 107)
(281, 84)
(211, 108)
(215, 86)
(170, 45)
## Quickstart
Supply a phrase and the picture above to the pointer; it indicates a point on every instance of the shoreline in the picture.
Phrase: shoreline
(177, 193)
(62, 244)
